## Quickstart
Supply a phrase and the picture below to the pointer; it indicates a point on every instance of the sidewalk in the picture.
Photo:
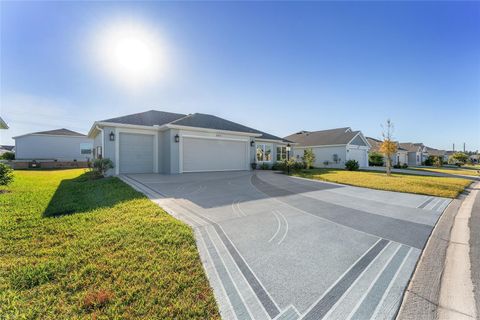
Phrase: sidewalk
(442, 287)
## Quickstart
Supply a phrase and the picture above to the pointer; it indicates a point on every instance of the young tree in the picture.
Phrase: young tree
(308, 158)
(460, 158)
(388, 147)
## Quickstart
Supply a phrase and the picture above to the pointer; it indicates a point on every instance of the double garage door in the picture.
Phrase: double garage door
(203, 154)
(136, 153)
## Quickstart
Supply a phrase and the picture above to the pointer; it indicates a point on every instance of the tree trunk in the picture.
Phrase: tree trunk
(389, 166)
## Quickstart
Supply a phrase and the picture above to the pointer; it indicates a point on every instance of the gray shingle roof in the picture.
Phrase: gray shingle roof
(148, 118)
(5, 147)
(436, 152)
(411, 147)
(323, 138)
(60, 132)
(201, 120)
(375, 143)
(197, 120)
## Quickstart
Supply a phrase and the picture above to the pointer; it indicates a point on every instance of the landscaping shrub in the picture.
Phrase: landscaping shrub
(275, 166)
(292, 165)
(352, 165)
(326, 163)
(101, 166)
(429, 161)
(264, 166)
(397, 166)
(8, 156)
(375, 159)
(404, 166)
(308, 158)
(6, 174)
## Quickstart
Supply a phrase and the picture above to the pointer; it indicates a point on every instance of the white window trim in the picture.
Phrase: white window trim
(286, 152)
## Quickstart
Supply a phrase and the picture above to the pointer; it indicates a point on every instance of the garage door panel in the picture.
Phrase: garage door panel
(201, 154)
(136, 153)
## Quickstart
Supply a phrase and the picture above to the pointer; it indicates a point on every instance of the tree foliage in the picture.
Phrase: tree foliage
(6, 174)
(308, 158)
(375, 159)
(459, 158)
(388, 147)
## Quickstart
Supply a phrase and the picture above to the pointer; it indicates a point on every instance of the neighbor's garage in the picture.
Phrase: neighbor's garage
(360, 155)
(215, 154)
(136, 153)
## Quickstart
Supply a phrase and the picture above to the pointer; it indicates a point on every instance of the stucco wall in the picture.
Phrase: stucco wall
(323, 154)
(64, 148)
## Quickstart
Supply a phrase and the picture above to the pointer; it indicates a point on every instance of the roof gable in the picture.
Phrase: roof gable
(59, 132)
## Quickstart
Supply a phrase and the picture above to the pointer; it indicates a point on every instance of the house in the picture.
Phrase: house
(4, 149)
(417, 153)
(3, 124)
(438, 153)
(171, 143)
(59, 145)
(400, 158)
(332, 148)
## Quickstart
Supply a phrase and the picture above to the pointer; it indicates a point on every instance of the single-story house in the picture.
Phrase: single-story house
(4, 149)
(332, 148)
(3, 124)
(171, 143)
(60, 145)
(417, 153)
(475, 158)
(438, 153)
(400, 158)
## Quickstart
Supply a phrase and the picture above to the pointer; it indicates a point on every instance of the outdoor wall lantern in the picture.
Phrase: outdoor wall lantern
(112, 136)
(252, 143)
(177, 138)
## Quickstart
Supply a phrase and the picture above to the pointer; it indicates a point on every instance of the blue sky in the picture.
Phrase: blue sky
(277, 67)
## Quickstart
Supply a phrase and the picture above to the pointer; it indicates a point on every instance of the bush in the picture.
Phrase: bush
(291, 165)
(308, 158)
(397, 166)
(375, 159)
(264, 166)
(275, 166)
(8, 156)
(326, 163)
(429, 161)
(101, 166)
(352, 165)
(404, 166)
(6, 174)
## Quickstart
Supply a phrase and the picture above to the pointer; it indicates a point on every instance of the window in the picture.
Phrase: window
(264, 152)
(281, 153)
(99, 152)
(86, 148)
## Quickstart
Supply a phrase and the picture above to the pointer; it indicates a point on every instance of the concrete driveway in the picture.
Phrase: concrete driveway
(277, 247)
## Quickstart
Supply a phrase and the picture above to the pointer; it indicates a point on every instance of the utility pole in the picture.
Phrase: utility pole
(464, 147)
(453, 147)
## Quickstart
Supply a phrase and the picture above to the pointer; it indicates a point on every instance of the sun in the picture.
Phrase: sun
(132, 53)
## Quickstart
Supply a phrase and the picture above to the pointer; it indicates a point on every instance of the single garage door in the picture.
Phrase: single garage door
(359, 155)
(200, 154)
(136, 153)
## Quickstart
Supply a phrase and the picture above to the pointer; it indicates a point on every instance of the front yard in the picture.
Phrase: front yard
(466, 171)
(71, 247)
(434, 186)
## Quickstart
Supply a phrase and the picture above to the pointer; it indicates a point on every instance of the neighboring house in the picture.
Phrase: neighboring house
(438, 153)
(4, 149)
(60, 144)
(417, 153)
(400, 158)
(171, 143)
(3, 124)
(332, 148)
(475, 158)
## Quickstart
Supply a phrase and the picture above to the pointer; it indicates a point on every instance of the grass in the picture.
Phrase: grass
(434, 186)
(462, 171)
(76, 248)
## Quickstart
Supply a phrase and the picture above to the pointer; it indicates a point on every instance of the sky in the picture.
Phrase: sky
(279, 67)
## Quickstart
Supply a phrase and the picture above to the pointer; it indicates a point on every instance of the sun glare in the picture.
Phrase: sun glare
(132, 53)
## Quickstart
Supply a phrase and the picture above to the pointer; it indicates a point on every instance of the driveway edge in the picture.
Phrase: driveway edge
(421, 299)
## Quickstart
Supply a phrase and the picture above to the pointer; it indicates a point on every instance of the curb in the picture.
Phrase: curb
(421, 299)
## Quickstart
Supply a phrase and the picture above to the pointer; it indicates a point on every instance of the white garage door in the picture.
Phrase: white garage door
(201, 154)
(359, 155)
(136, 153)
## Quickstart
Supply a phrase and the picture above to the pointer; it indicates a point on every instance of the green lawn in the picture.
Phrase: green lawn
(435, 186)
(461, 171)
(75, 248)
